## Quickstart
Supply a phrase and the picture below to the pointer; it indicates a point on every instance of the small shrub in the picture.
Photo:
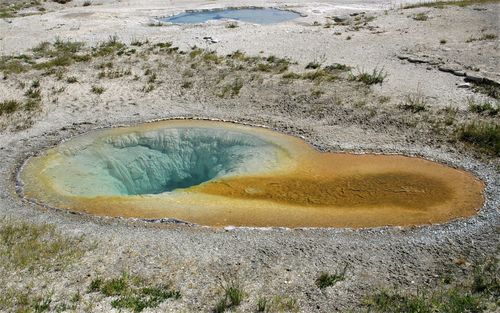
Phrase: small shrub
(232, 25)
(86, 3)
(442, 41)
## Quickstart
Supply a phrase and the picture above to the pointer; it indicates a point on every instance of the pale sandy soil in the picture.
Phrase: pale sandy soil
(333, 116)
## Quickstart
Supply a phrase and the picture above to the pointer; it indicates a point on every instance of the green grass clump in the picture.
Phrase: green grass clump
(97, 90)
(313, 65)
(337, 67)
(483, 37)
(421, 17)
(486, 107)
(132, 292)
(9, 9)
(478, 292)
(319, 75)
(414, 103)
(109, 47)
(277, 304)
(375, 77)
(28, 246)
(291, 75)
(453, 300)
(483, 135)
(9, 106)
(211, 57)
(232, 89)
(325, 280)
(13, 65)
(272, 64)
(59, 54)
(233, 296)
(442, 4)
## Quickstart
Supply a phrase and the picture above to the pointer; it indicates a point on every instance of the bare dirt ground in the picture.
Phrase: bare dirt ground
(438, 67)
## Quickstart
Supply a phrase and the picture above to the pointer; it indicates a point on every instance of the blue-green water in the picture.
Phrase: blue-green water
(159, 161)
(250, 15)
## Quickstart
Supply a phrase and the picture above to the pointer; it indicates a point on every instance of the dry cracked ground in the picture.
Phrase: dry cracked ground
(358, 76)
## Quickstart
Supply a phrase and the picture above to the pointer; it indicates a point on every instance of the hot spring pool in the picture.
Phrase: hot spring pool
(250, 15)
(218, 174)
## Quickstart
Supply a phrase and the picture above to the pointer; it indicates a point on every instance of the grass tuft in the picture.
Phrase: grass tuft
(377, 76)
(483, 135)
(233, 296)
(132, 293)
(277, 304)
(441, 4)
(28, 246)
(486, 107)
(414, 103)
(420, 17)
(9, 106)
(97, 89)
(325, 280)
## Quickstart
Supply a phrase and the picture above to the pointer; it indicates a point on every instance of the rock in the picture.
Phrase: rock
(446, 69)
(417, 60)
(340, 19)
(474, 78)
(464, 85)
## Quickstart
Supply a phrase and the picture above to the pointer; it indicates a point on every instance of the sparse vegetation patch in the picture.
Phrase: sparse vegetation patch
(483, 135)
(133, 292)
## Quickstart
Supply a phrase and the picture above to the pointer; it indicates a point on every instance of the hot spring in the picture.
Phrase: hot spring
(219, 174)
(250, 15)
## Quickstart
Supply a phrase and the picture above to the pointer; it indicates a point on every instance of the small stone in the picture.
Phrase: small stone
(464, 85)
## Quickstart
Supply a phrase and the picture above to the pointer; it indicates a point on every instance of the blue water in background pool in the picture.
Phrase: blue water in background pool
(250, 15)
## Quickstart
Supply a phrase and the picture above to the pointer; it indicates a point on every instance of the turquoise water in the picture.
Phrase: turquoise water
(250, 15)
(159, 161)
